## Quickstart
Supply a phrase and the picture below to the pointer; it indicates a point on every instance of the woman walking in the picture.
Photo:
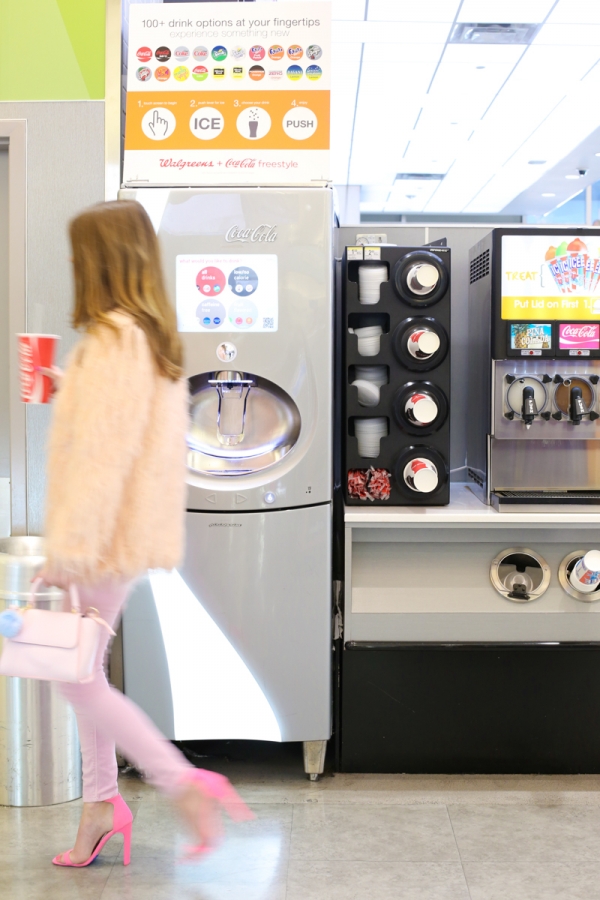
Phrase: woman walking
(115, 507)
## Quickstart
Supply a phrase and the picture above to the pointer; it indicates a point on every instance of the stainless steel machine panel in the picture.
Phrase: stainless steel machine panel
(543, 375)
(238, 644)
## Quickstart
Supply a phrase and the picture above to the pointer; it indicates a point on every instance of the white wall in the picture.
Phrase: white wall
(4, 404)
(65, 173)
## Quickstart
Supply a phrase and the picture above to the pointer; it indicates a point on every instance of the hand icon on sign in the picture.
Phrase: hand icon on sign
(157, 125)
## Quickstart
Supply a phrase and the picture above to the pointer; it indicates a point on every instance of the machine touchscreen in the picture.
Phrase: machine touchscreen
(227, 292)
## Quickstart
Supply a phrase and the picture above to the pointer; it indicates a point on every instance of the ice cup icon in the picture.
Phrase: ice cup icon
(253, 126)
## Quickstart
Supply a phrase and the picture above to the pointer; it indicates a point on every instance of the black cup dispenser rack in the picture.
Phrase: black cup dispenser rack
(396, 371)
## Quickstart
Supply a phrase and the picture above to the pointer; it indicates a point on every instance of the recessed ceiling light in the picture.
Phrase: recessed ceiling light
(548, 195)
(537, 162)
(493, 33)
(596, 154)
(483, 67)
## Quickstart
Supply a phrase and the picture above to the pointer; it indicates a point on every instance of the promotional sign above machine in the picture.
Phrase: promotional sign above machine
(548, 278)
(226, 94)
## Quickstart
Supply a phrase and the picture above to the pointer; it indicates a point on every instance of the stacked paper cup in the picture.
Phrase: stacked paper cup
(368, 339)
(369, 433)
(368, 381)
(369, 283)
(585, 576)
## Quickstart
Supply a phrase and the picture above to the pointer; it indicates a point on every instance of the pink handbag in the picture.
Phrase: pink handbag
(54, 646)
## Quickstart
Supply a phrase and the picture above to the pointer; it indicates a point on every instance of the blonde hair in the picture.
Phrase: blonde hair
(116, 261)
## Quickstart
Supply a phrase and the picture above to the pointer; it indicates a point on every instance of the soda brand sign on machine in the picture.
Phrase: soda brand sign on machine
(228, 94)
(550, 277)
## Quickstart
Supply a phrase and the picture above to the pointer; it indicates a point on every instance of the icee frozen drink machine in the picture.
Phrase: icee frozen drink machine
(534, 355)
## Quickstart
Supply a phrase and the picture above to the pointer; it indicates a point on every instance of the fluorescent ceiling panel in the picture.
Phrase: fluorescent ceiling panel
(391, 32)
(411, 11)
(505, 11)
(572, 11)
(348, 9)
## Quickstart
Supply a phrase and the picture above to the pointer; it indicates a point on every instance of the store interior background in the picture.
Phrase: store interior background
(431, 135)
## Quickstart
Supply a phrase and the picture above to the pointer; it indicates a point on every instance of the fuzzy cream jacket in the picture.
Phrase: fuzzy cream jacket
(116, 463)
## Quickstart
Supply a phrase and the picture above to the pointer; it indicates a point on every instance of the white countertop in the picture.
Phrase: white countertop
(464, 510)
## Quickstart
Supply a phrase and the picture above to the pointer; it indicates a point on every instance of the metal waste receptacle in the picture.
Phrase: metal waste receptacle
(40, 761)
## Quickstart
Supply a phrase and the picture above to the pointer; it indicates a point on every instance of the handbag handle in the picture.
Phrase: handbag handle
(91, 612)
(73, 594)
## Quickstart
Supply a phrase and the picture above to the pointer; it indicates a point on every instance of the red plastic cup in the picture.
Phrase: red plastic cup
(36, 351)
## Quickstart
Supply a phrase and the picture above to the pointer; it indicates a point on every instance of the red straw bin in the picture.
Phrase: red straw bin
(36, 351)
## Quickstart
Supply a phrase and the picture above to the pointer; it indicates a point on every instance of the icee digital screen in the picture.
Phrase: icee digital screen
(226, 292)
(550, 277)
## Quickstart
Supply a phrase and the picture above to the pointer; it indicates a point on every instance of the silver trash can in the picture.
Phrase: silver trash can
(40, 761)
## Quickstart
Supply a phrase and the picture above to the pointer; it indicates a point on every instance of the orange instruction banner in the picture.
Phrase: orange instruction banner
(228, 94)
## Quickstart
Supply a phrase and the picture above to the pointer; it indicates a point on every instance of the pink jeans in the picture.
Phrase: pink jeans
(105, 718)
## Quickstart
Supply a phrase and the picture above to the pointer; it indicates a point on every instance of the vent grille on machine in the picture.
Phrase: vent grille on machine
(480, 266)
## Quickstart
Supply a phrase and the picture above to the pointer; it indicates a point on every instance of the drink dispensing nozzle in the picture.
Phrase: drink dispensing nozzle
(576, 405)
(233, 390)
(529, 410)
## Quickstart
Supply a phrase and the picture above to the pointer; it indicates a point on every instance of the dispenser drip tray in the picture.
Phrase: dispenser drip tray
(240, 423)
(545, 501)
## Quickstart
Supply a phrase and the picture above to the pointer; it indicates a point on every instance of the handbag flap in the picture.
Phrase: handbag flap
(49, 629)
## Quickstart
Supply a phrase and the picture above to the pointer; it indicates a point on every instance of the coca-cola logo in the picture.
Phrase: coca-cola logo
(247, 163)
(26, 370)
(575, 337)
(263, 234)
(580, 331)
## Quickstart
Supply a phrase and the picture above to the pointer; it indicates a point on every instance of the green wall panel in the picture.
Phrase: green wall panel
(52, 49)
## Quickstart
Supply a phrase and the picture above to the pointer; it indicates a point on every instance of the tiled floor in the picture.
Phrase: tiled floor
(349, 837)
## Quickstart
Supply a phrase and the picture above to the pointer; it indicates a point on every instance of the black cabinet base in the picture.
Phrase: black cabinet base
(471, 708)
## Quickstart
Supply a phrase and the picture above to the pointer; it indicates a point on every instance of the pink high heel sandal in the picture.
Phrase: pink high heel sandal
(219, 788)
(122, 819)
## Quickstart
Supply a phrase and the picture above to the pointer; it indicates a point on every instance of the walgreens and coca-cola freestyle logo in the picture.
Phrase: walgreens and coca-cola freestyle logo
(579, 337)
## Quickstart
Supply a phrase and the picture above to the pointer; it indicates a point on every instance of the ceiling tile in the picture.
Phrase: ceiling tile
(533, 11)
(348, 9)
(411, 11)
(391, 32)
(573, 11)
(571, 35)
(400, 54)
(483, 54)
(344, 83)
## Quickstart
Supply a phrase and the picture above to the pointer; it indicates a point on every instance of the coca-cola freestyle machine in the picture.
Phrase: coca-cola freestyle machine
(237, 643)
(534, 345)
